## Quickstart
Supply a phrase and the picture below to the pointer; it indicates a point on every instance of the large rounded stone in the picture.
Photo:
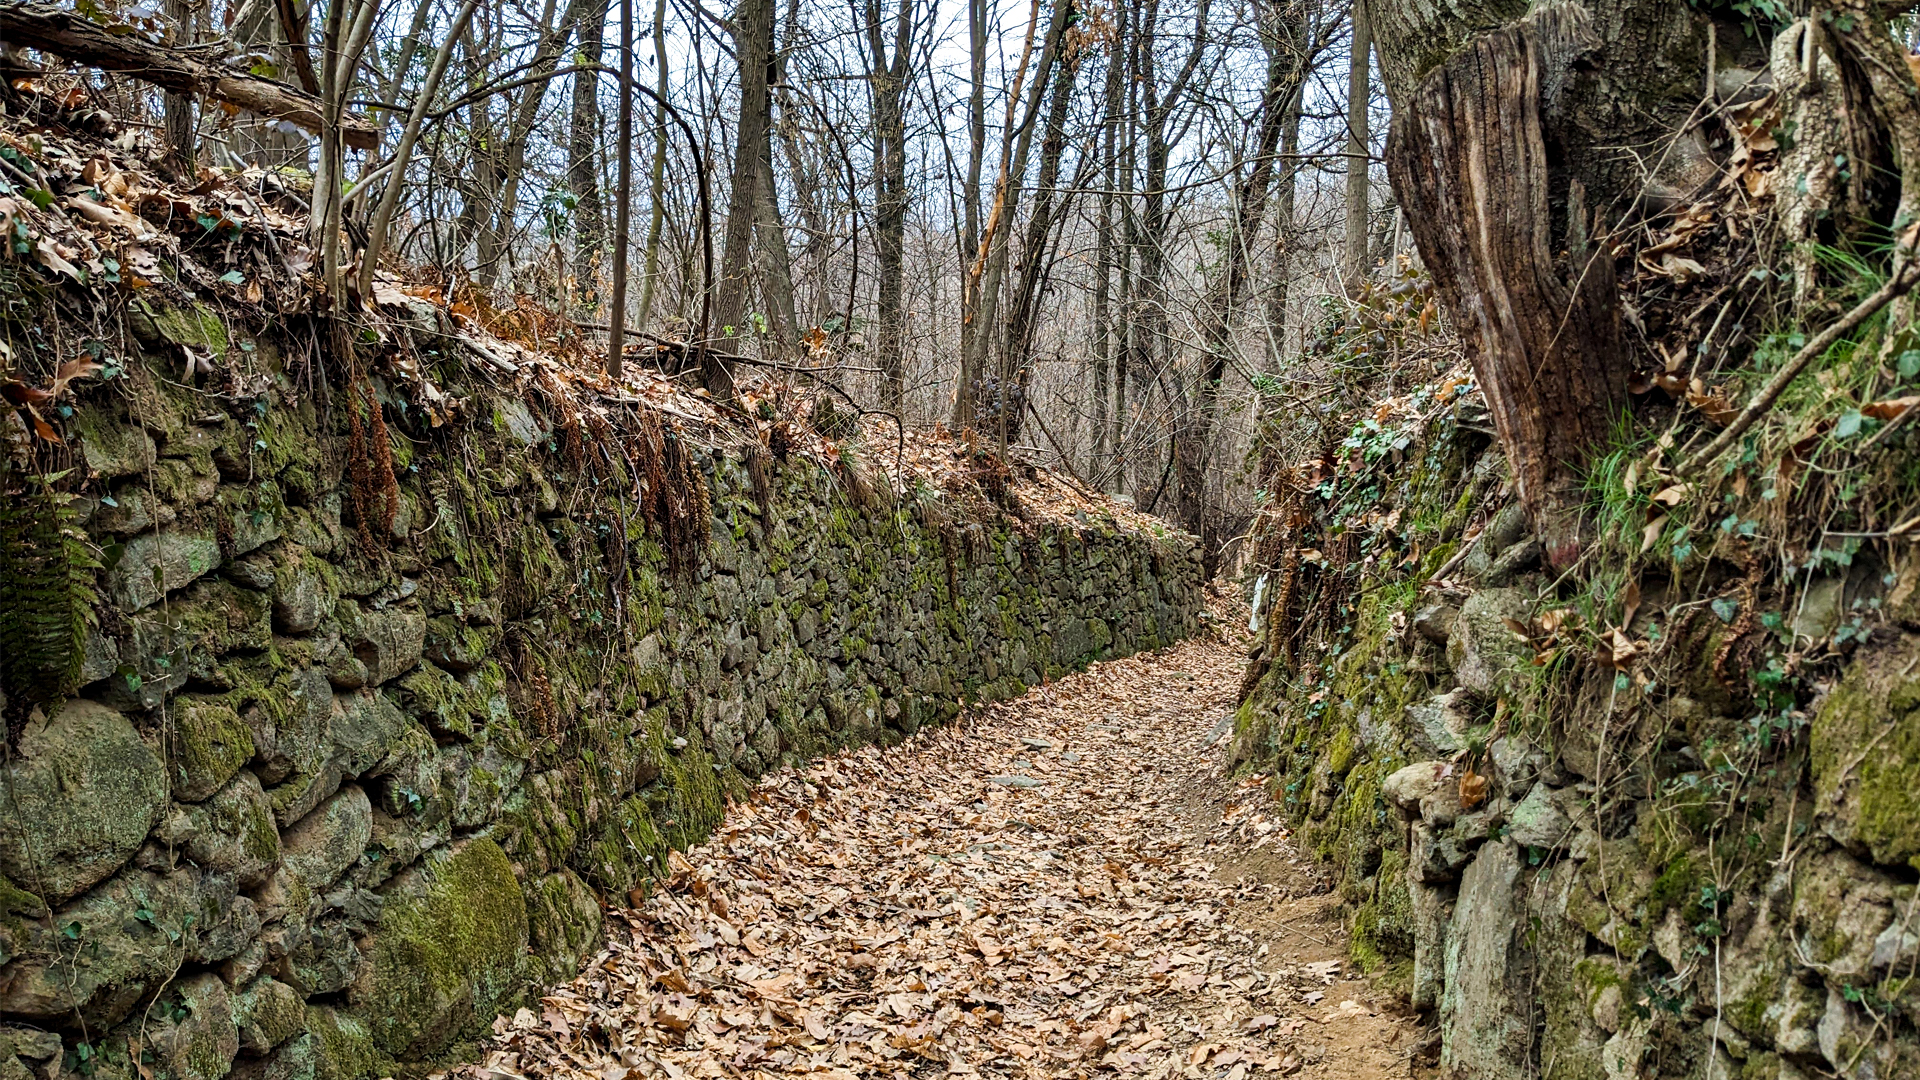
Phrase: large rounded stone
(154, 565)
(83, 790)
(364, 726)
(321, 846)
(388, 641)
(209, 744)
(446, 953)
(1866, 754)
(233, 832)
(563, 924)
(133, 932)
(191, 1030)
(1487, 656)
(303, 593)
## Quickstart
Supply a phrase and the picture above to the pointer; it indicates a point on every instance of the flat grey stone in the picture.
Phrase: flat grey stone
(1037, 744)
(1016, 781)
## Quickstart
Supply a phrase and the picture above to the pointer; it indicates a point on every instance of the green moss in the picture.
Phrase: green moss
(1876, 704)
(1340, 751)
(1677, 886)
(1382, 933)
(210, 742)
(194, 326)
(344, 1047)
(446, 953)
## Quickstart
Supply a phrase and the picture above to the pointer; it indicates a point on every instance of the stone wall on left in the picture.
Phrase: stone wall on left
(354, 765)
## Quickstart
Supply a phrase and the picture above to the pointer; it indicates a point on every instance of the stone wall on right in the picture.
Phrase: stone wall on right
(1660, 826)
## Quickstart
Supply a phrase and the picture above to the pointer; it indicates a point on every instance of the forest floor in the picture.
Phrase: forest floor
(1062, 885)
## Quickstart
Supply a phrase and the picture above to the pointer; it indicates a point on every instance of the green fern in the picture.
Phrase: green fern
(46, 593)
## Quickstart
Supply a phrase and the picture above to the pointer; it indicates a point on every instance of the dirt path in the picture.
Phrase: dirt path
(1063, 885)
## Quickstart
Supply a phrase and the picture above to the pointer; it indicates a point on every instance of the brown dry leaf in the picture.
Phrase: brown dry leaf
(1672, 495)
(1473, 789)
(1890, 409)
(1651, 534)
(1615, 650)
(1713, 403)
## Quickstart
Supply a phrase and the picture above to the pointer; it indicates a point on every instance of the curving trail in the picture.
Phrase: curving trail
(1063, 885)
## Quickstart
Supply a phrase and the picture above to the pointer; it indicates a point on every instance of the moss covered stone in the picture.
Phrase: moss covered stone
(155, 564)
(209, 743)
(191, 1032)
(343, 1047)
(83, 789)
(563, 925)
(233, 832)
(1866, 754)
(133, 929)
(268, 1012)
(446, 953)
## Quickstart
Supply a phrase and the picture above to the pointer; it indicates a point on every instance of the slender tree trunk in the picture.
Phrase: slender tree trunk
(887, 78)
(1016, 357)
(583, 160)
(496, 239)
(1006, 203)
(623, 201)
(1285, 78)
(1103, 276)
(1285, 233)
(1158, 105)
(1359, 85)
(753, 44)
(183, 145)
(776, 259)
(657, 177)
(970, 325)
(1129, 241)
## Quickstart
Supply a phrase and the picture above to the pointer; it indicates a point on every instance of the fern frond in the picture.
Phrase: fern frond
(46, 594)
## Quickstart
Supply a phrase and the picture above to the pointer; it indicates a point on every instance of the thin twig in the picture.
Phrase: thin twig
(1898, 285)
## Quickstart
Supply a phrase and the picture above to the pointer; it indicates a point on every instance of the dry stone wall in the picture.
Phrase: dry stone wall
(1579, 873)
(318, 812)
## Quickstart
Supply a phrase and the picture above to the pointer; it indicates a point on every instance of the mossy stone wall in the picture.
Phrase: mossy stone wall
(321, 810)
(1742, 903)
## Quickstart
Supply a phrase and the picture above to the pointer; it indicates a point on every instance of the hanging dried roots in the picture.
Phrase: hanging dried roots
(670, 489)
(370, 468)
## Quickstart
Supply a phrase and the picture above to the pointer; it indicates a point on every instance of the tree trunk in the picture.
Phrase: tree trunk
(182, 144)
(553, 39)
(887, 78)
(971, 328)
(753, 44)
(1359, 91)
(657, 177)
(1285, 233)
(1103, 351)
(776, 275)
(989, 266)
(1286, 74)
(1470, 163)
(583, 160)
(1016, 368)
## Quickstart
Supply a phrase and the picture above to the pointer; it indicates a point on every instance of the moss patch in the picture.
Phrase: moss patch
(446, 954)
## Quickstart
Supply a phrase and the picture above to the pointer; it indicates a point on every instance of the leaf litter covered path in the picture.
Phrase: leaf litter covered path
(1063, 886)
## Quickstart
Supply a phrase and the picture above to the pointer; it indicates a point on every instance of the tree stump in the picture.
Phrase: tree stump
(1474, 163)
